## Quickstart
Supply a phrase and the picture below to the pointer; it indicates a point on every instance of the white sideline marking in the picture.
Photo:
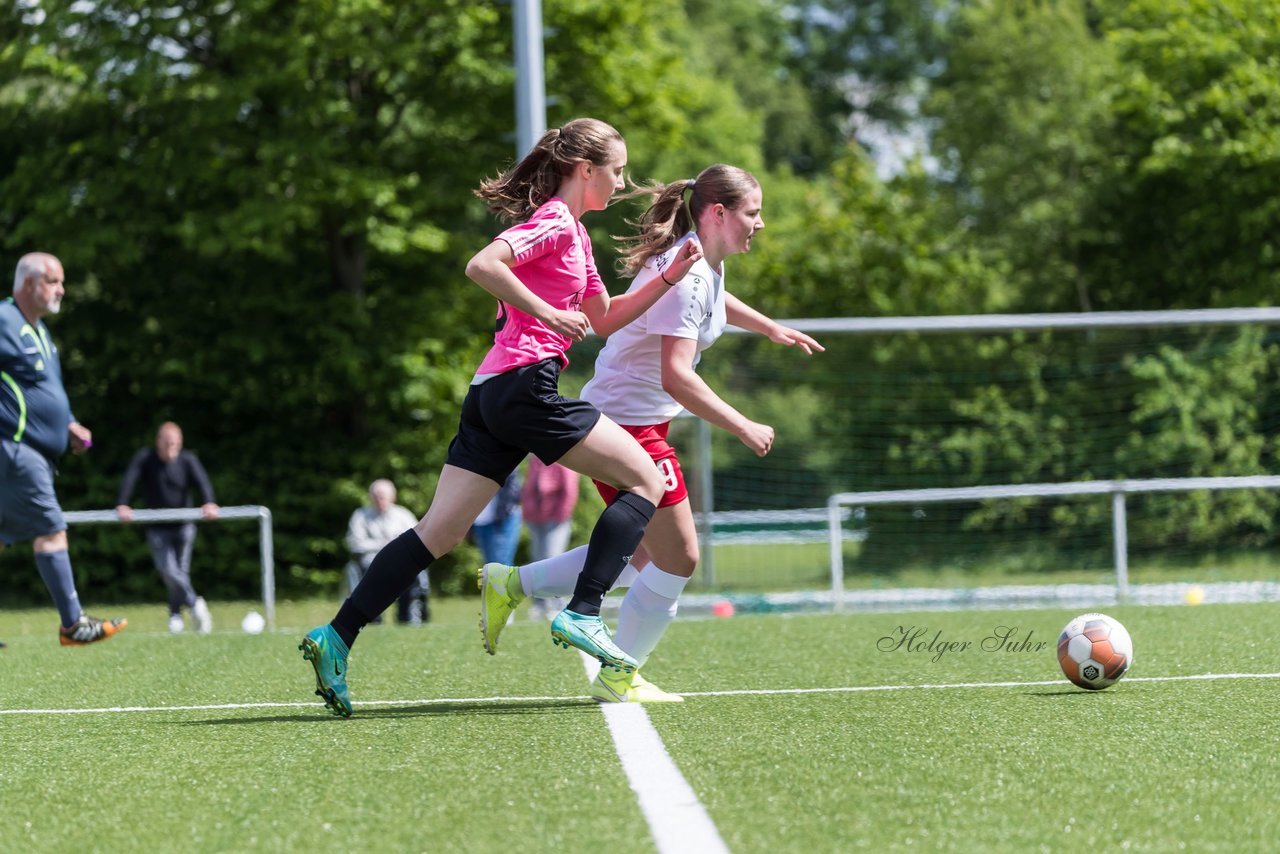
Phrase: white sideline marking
(677, 820)
(856, 689)
(442, 701)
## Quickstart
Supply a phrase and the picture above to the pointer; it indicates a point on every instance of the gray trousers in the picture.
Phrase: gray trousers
(171, 550)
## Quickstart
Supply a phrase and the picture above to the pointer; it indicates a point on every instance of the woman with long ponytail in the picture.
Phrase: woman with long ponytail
(542, 272)
(644, 377)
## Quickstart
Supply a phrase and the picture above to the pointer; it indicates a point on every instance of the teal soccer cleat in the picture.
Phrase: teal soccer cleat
(328, 655)
(590, 635)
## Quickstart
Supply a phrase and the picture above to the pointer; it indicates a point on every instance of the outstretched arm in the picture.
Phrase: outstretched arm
(744, 316)
(609, 314)
(691, 391)
(127, 484)
(209, 509)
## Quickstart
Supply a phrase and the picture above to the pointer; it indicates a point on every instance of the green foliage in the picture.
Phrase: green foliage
(271, 210)
(1194, 136)
(264, 210)
(851, 245)
(1019, 114)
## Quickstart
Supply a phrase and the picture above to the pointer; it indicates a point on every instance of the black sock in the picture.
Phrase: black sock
(392, 571)
(613, 541)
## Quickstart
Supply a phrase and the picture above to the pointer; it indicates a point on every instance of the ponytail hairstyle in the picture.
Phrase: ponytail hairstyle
(668, 218)
(517, 193)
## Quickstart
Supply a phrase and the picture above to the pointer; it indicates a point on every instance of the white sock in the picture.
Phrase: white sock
(646, 611)
(627, 579)
(557, 576)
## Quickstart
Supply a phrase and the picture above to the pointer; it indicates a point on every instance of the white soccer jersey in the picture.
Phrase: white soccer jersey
(627, 385)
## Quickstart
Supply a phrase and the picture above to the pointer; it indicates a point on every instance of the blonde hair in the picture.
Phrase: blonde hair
(668, 218)
(517, 193)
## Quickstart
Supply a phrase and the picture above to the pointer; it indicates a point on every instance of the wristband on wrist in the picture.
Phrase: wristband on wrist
(663, 275)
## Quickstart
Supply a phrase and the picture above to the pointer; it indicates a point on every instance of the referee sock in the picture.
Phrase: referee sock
(55, 569)
(613, 541)
(391, 573)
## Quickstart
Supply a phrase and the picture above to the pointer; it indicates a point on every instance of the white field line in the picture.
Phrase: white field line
(441, 701)
(677, 820)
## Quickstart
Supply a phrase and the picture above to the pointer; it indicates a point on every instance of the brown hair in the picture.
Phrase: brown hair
(517, 193)
(668, 217)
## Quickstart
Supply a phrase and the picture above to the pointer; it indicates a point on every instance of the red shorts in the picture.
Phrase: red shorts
(653, 438)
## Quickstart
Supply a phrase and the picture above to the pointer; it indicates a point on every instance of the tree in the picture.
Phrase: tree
(1019, 115)
(264, 209)
(1193, 132)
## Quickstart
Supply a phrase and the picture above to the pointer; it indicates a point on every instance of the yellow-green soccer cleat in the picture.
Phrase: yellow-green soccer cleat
(500, 594)
(328, 655)
(613, 687)
(590, 635)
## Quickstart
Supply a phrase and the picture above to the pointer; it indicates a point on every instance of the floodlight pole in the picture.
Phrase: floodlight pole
(531, 97)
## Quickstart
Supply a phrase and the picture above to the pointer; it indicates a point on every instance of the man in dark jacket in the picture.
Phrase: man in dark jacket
(168, 475)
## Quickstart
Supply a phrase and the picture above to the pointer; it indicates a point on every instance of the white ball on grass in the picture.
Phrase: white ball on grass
(253, 623)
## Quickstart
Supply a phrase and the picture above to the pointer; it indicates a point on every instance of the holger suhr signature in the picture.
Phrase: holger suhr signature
(921, 639)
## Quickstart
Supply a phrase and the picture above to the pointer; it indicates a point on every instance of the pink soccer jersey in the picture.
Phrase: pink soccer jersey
(553, 259)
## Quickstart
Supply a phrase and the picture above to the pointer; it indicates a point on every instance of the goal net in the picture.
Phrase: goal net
(929, 403)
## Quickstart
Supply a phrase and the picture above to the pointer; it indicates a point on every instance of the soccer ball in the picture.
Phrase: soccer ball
(1094, 651)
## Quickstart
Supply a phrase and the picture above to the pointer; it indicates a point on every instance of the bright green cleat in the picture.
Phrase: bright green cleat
(590, 635)
(613, 687)
(328, 655)
(500, 595)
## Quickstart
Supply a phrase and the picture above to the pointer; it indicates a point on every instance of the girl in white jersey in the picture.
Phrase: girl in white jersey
(542, 271)
(643, 378)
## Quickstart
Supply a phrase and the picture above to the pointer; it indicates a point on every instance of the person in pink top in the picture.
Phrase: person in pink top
(549, 293)
(644, 377)
(550, 493)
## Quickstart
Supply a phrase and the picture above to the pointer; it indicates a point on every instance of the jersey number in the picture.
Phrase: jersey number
(668, 475)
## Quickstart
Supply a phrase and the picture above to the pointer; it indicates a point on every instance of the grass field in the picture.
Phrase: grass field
(806, 733)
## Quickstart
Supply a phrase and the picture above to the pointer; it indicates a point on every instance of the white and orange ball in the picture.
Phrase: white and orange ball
(1094, 651)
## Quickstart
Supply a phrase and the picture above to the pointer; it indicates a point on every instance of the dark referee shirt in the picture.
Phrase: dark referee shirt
(34, 409)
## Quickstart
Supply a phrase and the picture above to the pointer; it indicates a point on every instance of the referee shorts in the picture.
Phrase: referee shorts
(517, 413)
(28, 506)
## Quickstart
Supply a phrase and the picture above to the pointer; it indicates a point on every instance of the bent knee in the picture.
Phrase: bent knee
(648, 484)
(683, 565)
(439, 539)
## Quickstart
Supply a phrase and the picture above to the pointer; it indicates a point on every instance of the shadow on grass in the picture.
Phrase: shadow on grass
(1063, 692)
(570, 705)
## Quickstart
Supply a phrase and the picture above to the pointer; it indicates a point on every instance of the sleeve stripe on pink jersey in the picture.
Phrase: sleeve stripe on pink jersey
(522, 240)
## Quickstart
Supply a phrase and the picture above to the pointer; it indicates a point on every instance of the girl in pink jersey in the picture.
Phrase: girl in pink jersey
(643, 378)
(543, 274)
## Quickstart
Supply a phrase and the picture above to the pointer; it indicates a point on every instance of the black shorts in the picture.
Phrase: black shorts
(515, 414)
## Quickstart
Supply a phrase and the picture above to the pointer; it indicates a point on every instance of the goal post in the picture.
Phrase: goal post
(1117, 489)
(990, 402)
(266, 547)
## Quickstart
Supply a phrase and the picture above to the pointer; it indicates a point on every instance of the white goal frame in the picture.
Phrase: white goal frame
(1117, 489)
(838, 504)
(266, 547)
